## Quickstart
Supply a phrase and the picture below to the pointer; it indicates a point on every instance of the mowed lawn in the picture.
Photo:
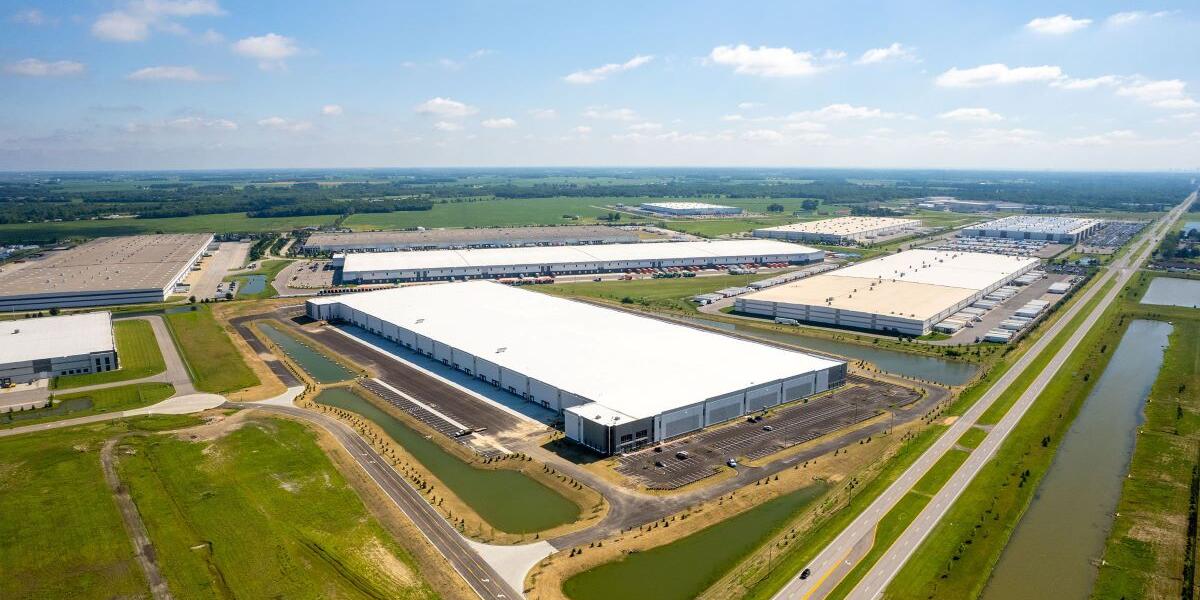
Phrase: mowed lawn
(661, 293)
(61, 535)
(137, 355)
(261, 513)
(82, 404)
(214, 361)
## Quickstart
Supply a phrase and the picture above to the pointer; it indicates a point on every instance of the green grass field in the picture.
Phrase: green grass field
(215, 363)
(972, 438)
(261, 513)
(269, 269)
(219, 223)
(488, 213)
(61, 536)
(82, 404)
(137, 354)
(651, 293)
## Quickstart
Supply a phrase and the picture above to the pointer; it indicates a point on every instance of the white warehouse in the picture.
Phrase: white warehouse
(32, 349)
(904, 293)
(840, 230)
(556, 260)
(1065, 230)
(619, 380)
(690, 209)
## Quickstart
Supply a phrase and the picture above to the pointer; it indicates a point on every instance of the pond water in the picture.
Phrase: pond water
(313, 362)
(1173, 291)
(929, 368)
(1053, 549)
(251, 284)
(685, 568)
(1191, 225)
(509, 500)
(60, 409)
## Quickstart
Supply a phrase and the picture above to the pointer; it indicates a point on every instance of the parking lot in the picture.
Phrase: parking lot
(1110, 236)
(751, 438)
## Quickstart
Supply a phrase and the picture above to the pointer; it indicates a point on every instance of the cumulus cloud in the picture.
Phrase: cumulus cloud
(581, 130)
(749, 105)
(1086, 84)
(447, 126)
(896, 51)
(134, 21)
(1131, 17)
(543, 113)
(282, 124)
(270, 50)
(168, 73)
(603, 72)
(445, 108)
(840, 112)
(34, 67)
(765, 61)
(500, 123)
(610, 114)
(332, 110)
(1057, 25)
(1167, 93)
(1102, 139)
(977, 115)
(997, 74)
(646, 126)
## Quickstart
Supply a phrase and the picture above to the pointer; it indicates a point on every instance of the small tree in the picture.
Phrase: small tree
(54, 311)
(229, 295)
(775, 207)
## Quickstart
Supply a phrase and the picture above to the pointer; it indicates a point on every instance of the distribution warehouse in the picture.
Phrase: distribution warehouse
(689, 209)
(620, 380)
(484, 237)
(33, 349)
(1065, 230)
(840, 230)
(552, 260)
(106, 271)
(905, 293)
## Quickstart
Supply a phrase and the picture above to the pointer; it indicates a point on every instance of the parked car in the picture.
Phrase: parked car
(732, 463)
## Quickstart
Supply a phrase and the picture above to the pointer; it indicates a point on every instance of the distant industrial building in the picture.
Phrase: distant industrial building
(103, 272)
(840, 230)
(619, 380)
(953, 204)
(556, 260)
(488, 237)
(32, 349)
(1064, 230)
(689, 209)
(905, 293)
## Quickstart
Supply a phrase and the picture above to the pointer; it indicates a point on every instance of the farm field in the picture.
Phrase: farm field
(137, 353)
(487, 213)
(218, 223)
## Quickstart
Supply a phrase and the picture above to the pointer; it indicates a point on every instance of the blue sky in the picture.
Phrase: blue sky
(152, 84)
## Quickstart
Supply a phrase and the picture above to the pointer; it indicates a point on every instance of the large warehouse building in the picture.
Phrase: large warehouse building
(905, 293)
(840, 230)
(32, 349)
(620, 380)
(690, 209)
(1065, 230)
(488, 237)
(103, 272)
(554, 260)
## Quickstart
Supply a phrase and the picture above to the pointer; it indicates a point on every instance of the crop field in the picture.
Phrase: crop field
(214, 361)
(218, 223)
(62, 536)
(261, 512)
(137, 354)
(488, 213)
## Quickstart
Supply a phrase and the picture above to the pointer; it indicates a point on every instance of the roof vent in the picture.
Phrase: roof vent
(501, 349)
(16, 331)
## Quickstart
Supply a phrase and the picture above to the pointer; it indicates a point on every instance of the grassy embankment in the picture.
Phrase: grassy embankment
(1151, 549)
(62, 536)
(214, 362)
(268, 269)
(261, 512)
(82, 404)
(137, 354)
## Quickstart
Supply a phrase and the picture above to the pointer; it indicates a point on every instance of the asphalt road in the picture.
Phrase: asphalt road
(839, 557)
(477, 573)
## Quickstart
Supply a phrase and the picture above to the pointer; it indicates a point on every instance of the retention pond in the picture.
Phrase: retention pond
(1173, 291)
(509, 500)
(1054, 548)
(928, 368)
(317, 365)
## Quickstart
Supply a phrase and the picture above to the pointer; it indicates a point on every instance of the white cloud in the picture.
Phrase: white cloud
(997, 74)
(1167, 93)
(167, 73)
(282, 124)
(1006, 136)
(765, 61)
(447, 126)
(1122, 19)
(734, 117)
(1103, 139)
(750, 105)
(840, 112)
(332, 110)
(581, 130)
(610, 114)
(544, 114)
(1057, 25)
(33, 67)
(446, 108)
(646, 126)
(500, 123)
(134, 21)
(197, 123)
(807, 126)
(31, 16)
(977, 115)
(896, 51)
(1086, 84)
(763, 135)
(480, 53)
(603, 72)
(270, 50)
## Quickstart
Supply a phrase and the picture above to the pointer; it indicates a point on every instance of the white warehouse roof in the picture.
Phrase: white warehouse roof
(24, 340)
(634, 365)
(556, 255)
(845, 226)
(1037, 224)
(970, 270)
(685, 205)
